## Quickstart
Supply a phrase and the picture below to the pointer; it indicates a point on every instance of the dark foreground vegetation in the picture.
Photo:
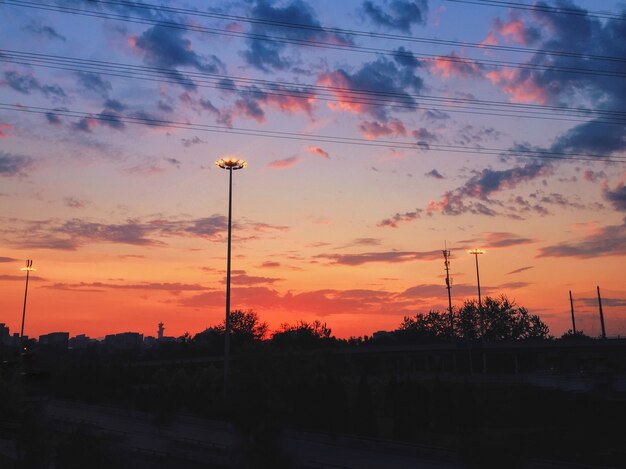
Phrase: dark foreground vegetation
(422, 383)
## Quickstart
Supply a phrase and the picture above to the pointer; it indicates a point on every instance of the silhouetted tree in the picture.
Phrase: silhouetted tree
(425, 327)
(303, 334)
(569, 335)
(504, 320)
(245, 325)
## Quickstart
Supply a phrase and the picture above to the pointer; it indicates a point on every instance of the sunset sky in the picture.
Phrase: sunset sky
(376, 133)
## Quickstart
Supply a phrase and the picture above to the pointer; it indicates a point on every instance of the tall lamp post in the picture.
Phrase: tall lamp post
(28, 268)
(230, 164)
(476, 252)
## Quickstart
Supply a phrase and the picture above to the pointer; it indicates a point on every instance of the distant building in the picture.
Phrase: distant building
(56, 340)
(4, 334)
(81, 341)
(161, 330)
(124, 341)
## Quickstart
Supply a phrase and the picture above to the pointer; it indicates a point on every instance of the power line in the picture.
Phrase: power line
(306, 92)
(543, 8)
(319, 44)
(142, 120)
(353, 32)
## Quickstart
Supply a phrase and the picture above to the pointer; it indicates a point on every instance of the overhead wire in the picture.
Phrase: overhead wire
(544, 8)
(306, 92)
(154, 122)
(318, 44)
(351, 32)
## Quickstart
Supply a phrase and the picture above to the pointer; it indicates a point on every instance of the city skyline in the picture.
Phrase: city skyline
(377, 135)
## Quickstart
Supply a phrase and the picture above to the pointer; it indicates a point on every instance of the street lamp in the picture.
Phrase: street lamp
(230, 164)
(29, 268)
(476, 252)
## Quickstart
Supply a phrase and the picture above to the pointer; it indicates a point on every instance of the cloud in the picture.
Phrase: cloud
(14, 165)
(606, 241)
(173, 162)
(592, 137)
(241, 278)
(501, 239)
(516, 30)
(284, 163)
(7, 259)
(400, 218)
(26, 84)
(550, 80)
(437, 290)
(5, 130)
(484, 184)
(452, 65)
(520, 270)
(397, 14)
(53, 118)
(74, 233)
(188, 142)
(390, 257)
(151, 286)
(47, 32)
(433, 173)
(74, 202)
(94, 82)
(267, 55)
(167, 48)
(616, 196)
(373, 130)
(318, 151)
(391, 82)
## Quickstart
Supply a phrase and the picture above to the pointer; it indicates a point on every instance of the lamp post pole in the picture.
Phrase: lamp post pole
(29, 267)
(476, 252)
(230, 164)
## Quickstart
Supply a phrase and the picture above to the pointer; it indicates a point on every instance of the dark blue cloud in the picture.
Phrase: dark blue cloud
(381, 76)
(47, 32)
(616, 196)
(167, 48)
(94, 82)
(592, 137)
(114, 105)
(587, 35)
(397, 14)
(26, 84)
(269, 55)
(14, 165)
(434, 174)
(607, 241)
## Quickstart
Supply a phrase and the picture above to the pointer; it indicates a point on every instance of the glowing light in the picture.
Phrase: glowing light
(476, 251)
(28, 268)
(231, 163)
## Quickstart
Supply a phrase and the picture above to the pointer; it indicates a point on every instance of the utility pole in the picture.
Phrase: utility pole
(446, 261)
(29, 267)
(601, 314)
(571, 305)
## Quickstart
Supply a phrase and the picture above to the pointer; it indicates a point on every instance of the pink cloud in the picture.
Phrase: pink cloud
(318, 151)
(5, 130)
(521, 90)
(285, 163)
(514, 31)
(340, 86)
(373, 130)
(452, 65)
(490, 40)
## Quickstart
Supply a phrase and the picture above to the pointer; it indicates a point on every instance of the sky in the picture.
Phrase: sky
(377, 134)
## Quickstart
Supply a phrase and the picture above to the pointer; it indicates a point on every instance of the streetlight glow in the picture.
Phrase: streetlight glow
(476, 251)
(230, 164)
